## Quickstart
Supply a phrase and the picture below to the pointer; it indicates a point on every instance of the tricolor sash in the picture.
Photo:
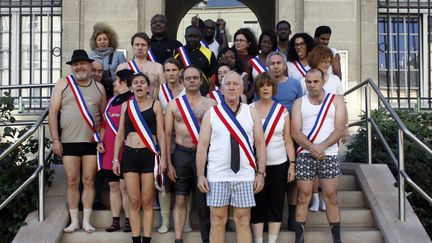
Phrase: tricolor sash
(85, 114)
(322, 115)
(257, 65)
(144, 132)
(151, 56)
(133, 66)
(107, 116)
(272, 120)
(166, 91)
(189, 117)
(204, 43)
(236, 130)
(217, 95)
(302, 70)
(184, 57)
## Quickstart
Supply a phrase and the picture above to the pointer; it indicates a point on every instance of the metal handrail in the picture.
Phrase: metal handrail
(403, 130)
(37, 126)
(28, 86)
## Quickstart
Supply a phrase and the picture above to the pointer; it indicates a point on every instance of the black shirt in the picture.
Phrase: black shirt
(164, 48)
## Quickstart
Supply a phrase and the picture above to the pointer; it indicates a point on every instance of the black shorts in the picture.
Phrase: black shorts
(79, 149)
(183, 160)
(110, 176)
(138, 160)
(270, 201)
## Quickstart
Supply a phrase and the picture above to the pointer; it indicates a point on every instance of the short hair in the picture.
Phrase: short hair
(193, 27)
(292, 53)
(224, 78)
(159, 15)
(276, 53)
(283, 22)
(250, 37)
(273, 39)
(262, 79)
(318, 54)
(313, 70)
(142, 35)
(125, 75)
(173, 61)
(102, 28)
(146, 78)
(323, 29)
(202, 76)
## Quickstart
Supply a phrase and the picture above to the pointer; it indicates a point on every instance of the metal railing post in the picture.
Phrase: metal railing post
(41, 173)
(368, 123)
(401, 188)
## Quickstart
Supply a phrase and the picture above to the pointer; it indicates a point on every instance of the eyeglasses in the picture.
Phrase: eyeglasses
(240, 40)
(190, 78)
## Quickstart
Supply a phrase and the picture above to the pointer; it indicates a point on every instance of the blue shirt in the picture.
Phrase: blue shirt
(288, 91)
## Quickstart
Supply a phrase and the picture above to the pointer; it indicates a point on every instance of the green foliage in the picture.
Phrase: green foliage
(418, 163)
(16, 168)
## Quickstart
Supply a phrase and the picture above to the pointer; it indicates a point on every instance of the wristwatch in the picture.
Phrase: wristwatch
(292, 162)
(261, 173)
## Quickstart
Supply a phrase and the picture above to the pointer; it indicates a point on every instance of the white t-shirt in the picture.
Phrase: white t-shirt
(214, 47)
(296, 71)
(276, 153)
(219, 154)
(333, 85)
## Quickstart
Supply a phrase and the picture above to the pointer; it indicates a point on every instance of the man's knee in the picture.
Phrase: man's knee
(303, 196)
(218, 220)
(88, 180)
(242, 219)
(181, 202)
(331, 198)
(73, 181)
(114, 187)
(147, 203)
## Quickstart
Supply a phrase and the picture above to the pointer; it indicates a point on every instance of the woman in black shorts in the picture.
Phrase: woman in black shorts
(138, 161)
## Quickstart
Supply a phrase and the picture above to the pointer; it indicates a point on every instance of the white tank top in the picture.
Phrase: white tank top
(219, 155)
(309, 113)
(162, 99)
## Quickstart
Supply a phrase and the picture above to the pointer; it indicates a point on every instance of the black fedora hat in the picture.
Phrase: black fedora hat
(79, 55)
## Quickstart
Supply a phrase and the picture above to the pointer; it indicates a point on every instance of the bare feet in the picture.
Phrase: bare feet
(71, 228)
(87, 227)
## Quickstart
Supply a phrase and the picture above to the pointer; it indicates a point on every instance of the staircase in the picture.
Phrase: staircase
(356, 218)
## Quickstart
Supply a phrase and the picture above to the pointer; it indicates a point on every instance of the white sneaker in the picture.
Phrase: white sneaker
(314, 204)
(322, 205)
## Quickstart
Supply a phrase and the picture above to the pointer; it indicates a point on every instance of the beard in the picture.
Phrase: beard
(82, 75)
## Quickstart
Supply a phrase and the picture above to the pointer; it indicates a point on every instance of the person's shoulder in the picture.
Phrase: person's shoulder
(209, 102)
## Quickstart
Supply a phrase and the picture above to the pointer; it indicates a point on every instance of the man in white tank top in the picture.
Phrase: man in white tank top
(76, 144)
(233, 175)
(318, 151)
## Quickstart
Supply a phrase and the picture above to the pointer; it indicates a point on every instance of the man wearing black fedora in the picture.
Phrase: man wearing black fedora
(74, 134)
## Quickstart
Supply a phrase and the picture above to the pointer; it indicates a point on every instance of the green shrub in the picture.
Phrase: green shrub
(418, 163)
(15, 169)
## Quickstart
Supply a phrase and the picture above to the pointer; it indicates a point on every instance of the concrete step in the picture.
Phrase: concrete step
(348, 183)
(349, 217)
(312, 235)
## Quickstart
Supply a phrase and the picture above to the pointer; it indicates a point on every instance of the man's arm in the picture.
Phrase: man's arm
(261, 151)
(104, 100)
(169, 124)
(161, 74)
(201, 156)
(54, 109)
(336, 66)
(222, 33)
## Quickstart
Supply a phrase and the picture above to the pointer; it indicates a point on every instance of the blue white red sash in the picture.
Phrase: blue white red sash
(166, 91)
(236, 130)
(301, 69)
(85, 113)
(151, 56)
(322, 115)
(204, 43)
(188, 117)
(144, 132)
(184, 57)
(217, 95)
(257, 65)
(133, 66)
(272, 120)
(108, 118)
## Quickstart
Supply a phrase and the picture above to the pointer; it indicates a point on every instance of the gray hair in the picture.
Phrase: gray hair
(276, 53)
(231, 72)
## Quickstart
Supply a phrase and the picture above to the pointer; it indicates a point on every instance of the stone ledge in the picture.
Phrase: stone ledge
(377, 183)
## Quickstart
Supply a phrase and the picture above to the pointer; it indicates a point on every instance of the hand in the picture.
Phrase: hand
(100, 148)
(291, 172)
(221, 24)
(57, 148)
(172, 175)
(203, 185)
(162, 166)
(317, 150)
(195, 20)
(345, 137)
(116, 168)
(258, 183)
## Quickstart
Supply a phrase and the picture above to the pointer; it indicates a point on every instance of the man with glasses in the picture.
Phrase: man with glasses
(193, 53)
(184, 114)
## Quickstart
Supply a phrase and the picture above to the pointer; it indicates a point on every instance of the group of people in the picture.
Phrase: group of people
(238, 126)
